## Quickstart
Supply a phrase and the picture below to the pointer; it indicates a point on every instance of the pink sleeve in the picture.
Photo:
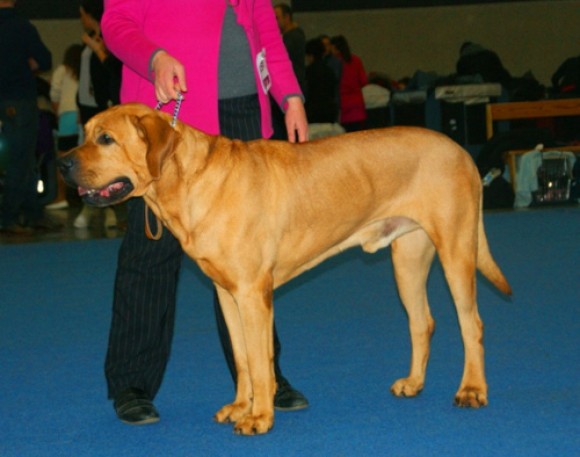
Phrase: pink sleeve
(284, 82)
(122, 26)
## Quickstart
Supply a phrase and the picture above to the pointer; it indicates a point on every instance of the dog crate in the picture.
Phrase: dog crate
(554, 179)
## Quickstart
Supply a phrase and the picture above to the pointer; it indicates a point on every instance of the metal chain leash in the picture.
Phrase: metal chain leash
(175, 109)
(156, 236)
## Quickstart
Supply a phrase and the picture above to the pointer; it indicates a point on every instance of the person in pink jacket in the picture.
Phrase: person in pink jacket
(225, 57)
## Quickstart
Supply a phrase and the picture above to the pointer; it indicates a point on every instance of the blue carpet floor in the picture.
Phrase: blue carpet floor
(345, 341)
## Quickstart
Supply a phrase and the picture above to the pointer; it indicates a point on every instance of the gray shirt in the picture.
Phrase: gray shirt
(236, 70)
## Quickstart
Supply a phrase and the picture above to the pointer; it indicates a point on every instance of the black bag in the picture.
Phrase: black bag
(492, 152)
(525, 88)
(498, 194)
(566, 79)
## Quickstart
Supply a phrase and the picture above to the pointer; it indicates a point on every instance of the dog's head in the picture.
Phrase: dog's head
(123, 153)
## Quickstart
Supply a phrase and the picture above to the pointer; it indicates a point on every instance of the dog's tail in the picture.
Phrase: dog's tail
(487, 265)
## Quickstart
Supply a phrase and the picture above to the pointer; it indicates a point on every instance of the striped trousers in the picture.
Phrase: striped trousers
(145, 290)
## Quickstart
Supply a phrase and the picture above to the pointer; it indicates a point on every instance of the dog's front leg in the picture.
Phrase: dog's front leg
(242, 404)
(251, 331)
(257, 317)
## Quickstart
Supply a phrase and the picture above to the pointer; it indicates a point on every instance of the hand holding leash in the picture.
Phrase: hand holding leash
(168, 76)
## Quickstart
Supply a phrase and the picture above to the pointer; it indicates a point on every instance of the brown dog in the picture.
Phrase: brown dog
(254, 215)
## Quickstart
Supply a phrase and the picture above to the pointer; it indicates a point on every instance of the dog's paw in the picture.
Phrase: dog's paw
(406, 387)
(232, 413)
(254, 425)
(469, 397)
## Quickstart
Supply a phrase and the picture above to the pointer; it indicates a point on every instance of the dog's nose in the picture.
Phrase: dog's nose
(65, 164)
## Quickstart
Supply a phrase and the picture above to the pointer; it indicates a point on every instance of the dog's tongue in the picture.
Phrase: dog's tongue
(105, 192)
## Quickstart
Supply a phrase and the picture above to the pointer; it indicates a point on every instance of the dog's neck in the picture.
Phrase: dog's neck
(184, 162)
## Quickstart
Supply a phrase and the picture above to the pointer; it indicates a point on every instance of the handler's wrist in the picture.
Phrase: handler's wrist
(292, 99)
(154, 56)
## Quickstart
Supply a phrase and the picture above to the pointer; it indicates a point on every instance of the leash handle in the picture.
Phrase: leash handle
(152, 236)
(176, 108)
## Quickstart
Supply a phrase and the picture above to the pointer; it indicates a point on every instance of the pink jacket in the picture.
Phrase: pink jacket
(190, 30)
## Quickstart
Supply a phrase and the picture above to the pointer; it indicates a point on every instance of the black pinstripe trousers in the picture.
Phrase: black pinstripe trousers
(145, 290)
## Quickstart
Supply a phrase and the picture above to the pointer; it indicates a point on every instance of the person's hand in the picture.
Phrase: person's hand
(33, 64)
(94, 40)
(169, 77)
(296, 122)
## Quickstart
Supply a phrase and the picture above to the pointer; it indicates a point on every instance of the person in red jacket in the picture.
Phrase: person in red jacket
(352, 105)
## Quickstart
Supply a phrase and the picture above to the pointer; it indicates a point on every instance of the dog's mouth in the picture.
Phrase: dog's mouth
(112, 193)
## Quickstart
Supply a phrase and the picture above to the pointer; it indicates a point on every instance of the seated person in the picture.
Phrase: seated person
(477, 60)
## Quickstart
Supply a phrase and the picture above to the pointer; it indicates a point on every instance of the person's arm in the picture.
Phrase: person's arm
(94, 40)
(122, 25)
(285, 88)
(39, 57)
(56, 86)
(296, 122)
(56, 83)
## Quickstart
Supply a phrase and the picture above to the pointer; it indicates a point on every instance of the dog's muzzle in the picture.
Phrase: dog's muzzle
(65, 165)
(113, 192)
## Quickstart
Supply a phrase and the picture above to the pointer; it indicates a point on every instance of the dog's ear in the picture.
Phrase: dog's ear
(161, 139)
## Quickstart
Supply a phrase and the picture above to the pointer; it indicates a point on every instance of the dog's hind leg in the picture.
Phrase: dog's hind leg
(459, 263)
(412, 256)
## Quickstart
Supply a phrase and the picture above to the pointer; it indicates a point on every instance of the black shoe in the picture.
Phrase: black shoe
(287, 398)
(133, 406)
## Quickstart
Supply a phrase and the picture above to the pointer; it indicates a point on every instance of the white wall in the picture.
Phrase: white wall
(58, 35)
(534, 36)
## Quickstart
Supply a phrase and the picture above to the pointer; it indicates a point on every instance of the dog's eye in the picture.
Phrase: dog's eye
(104, 139)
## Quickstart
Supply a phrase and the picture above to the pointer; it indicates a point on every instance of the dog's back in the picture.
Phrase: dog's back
(365, 188)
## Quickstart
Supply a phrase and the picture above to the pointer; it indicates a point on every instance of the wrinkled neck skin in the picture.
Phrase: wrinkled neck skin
(171, 203)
